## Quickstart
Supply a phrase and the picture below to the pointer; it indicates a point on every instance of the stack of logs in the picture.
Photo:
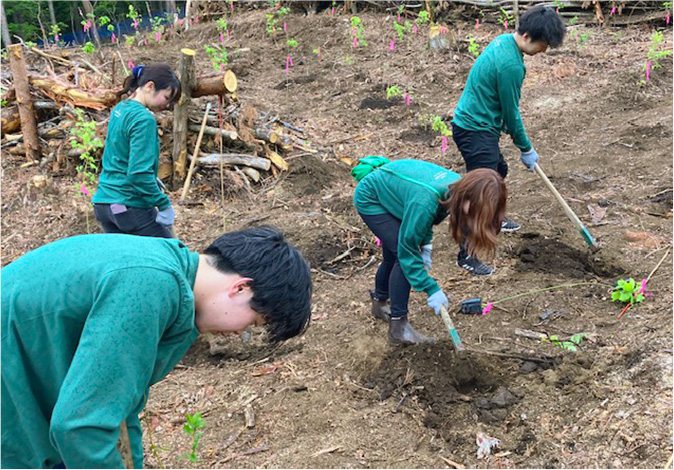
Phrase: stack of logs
(252, 142)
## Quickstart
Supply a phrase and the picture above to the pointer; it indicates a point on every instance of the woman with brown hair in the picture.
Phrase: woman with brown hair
(400, 202)
(128, 198)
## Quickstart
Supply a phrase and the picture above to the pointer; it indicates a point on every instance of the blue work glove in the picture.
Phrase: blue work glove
(426, 256)
(166, 217)
(529, 159)
(437, 300)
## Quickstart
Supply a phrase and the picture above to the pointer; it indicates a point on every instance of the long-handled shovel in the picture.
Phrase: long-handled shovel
(569, 213)
(456, 341)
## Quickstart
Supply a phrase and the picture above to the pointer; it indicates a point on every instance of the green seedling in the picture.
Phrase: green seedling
(358, 32)
(401, 29)
(222, 25)
(393, 91)
(570, 345)
(582, 38)
(88, 48)
(473, 47)
(134, 16)
(626, 291)
(573, 20)
(505, 18)
(84, 138)
(558, 4)
(191, 428)
(438, 125)
(423, 18)
(218, 56)
(292, 42)
(654, 54)
(274, 17)
(3, 103)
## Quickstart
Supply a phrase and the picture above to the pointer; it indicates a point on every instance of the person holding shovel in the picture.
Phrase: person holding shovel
(129, 198)
(489, 104)
(400, 202)
(89, 323)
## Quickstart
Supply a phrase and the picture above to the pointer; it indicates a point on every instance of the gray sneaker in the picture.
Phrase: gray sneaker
(510, 226)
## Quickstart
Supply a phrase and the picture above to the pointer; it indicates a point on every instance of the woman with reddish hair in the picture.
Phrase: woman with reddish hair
(400, 202)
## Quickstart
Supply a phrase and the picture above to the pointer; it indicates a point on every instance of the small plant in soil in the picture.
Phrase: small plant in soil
(582, 38)
(358, 31)
(218, 56)
(505, 18)
(88, 48)
(83, 138)
(654, 54)
(135, 17)
(274, 17)
(626, 291)
(393, 91)
(423, 18)
(571, 345)
(157, 27)
(473, 47)
(401, 29)
(223, 28)
(191, 428)
(438, 125)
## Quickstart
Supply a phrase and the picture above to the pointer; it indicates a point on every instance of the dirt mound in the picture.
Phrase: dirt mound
(552, 256)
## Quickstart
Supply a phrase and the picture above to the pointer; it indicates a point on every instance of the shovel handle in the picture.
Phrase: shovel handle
(456, 341)
(589, 239)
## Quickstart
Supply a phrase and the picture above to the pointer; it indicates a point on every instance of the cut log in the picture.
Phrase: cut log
(70, 94)
(266, 135)
(213, 160)
(24, 102)
(276, 159)
(217, 85)
(181, 115)
(252, 173)
(209, 130)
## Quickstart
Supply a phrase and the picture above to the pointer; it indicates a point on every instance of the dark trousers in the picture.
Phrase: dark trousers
(389, 280)
(479, 150)
(131, 220)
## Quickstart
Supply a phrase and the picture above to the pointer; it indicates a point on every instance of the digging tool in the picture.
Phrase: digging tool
(452, 331)
(569, 213)
(193, 163)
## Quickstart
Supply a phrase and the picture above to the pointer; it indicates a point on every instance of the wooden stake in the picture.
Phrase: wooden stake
(24, 102)
(186, 187)
(180, 116)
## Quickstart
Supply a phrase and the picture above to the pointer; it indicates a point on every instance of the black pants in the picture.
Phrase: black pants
(390, 279)
(479, 150)
(133, 221)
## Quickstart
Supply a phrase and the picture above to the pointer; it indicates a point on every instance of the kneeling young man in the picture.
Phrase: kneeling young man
(89, 323)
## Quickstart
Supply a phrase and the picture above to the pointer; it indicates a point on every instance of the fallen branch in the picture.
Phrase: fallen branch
(213, 159)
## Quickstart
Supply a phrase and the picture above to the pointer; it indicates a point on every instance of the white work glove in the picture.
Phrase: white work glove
(529, 159)
(166, 217)
(437, 300)
(426, 256)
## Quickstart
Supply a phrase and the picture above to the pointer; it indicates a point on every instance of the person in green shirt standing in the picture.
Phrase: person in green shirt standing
(490, 101)
(89, 323)
(129, 198)
(400, 202)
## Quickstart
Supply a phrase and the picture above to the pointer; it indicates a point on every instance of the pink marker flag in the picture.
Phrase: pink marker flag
(333, 11)
(157, 36)
(506, 24)
(84, 190)
(56, 38)
(477, 24)
(643, 286)
(291, 61)
(222, 37)
(135, 24)
(444, 144)
(648, 71)
(227, 31)
(231, 5)
(197, 19)
(398, 17)
(284, 26)
(613, 11)
(487, 309)
(667, 18)
(414, 29)
(392, 45)
(377, 241)
(130, 64)
(355, 41)
(114, 38)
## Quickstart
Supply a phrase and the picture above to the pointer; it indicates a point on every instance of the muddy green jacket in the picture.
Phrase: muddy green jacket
(491, 99)
(409, 190)
(88, 324)
(131, 159)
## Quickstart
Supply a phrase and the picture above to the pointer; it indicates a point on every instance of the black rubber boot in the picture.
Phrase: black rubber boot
(400, 331)
(381, 310)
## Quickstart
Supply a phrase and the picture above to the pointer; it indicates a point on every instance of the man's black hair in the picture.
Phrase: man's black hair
(543, 23)
(281, 277)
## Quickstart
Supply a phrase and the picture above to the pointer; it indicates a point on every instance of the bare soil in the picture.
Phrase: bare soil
(340, 396)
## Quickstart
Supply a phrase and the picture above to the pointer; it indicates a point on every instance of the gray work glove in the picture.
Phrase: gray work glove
(529, 159)
(438, 300)
(426, 256)
(166, 217)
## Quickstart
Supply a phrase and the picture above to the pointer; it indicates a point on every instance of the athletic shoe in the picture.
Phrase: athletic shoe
(474, 265)
(510, 226)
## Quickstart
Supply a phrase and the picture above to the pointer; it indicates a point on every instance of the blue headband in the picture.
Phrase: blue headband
(137, 71)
